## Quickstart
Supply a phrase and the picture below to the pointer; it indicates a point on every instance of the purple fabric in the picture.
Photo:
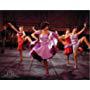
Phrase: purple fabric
(42, 47)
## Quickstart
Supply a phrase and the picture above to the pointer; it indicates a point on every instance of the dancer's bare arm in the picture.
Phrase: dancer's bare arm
(82, 30)
(12, 26)
(23, 34)
(33, 28)
(62, 37)
(33, 35)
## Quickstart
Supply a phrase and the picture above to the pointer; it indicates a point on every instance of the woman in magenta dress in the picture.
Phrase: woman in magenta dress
(45, 48)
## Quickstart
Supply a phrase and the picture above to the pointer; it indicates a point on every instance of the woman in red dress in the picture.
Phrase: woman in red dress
(21, 37)
(66, 41)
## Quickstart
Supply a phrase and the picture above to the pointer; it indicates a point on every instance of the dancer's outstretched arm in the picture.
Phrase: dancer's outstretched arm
(33, 35)
(23, 34)
(82, 29)
(12, 26)
(62, 37)
(33, 28)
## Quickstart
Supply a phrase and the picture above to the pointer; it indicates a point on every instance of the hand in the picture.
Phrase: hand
(9, 23)
(32, 27)
(85, 24)
(34, 42)
(56, 32)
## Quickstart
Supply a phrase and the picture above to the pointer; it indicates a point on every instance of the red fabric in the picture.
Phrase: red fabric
(68, 40)
(68, 50)
(20, 43)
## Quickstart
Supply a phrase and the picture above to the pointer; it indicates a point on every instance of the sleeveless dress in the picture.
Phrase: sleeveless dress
(75, 42)
(20, 41)
(68, 47)
(44, 48)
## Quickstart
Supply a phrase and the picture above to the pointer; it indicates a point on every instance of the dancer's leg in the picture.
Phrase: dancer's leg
(85, 40)
(46, 66)
(75, 54)
(67, 59)
(21, 57)
(28, 38)
(67, 56)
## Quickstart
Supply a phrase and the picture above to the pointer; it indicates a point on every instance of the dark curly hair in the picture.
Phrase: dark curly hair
(43, 25)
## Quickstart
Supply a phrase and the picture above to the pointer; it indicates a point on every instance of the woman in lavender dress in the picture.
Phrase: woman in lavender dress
(45, 48)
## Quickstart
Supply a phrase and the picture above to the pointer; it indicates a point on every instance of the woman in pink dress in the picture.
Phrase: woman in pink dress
(45, 48)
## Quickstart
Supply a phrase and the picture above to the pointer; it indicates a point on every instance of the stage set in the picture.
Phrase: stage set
(44, 45)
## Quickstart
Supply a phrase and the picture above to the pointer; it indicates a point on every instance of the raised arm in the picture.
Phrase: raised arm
(62, 37)
(33, 28)
(33, 35)
(82, 29)
(23, 34)
(12, 26)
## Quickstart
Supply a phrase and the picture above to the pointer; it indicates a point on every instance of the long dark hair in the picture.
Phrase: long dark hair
(43, 25)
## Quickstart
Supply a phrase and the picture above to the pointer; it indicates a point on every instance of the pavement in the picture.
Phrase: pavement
(12, 69)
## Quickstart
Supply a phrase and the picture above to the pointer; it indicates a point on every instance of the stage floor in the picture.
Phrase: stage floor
(10, 68)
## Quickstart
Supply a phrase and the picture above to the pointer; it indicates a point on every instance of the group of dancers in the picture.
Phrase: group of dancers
(44, 47)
